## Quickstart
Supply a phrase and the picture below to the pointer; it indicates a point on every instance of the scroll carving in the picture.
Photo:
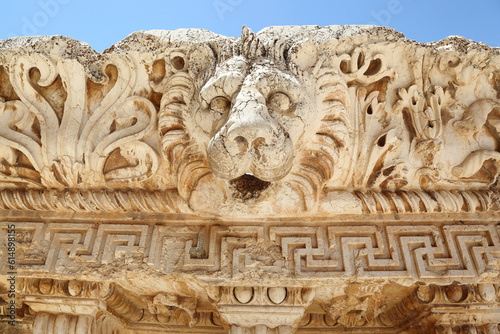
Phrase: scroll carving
(55, 137)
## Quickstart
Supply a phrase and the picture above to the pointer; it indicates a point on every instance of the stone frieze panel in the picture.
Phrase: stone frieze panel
(295, 117)
(296, 252)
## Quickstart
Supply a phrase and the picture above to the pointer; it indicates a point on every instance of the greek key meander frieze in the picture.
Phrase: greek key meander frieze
(213, 252)
(296, 180)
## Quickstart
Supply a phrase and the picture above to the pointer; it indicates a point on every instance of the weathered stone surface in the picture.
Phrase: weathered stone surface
(301, 179)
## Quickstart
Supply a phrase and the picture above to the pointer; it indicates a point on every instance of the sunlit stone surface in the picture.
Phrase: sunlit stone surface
(298, 180)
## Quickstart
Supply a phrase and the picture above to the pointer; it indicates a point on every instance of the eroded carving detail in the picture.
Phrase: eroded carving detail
(425, 252)
(244, 120)
(186, 179)
(170, 307)
(78, 143)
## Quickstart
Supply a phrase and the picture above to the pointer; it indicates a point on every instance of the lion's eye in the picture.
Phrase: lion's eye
(220, 105)
(279, 102)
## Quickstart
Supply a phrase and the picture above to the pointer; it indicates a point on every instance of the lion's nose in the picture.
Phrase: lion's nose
(251, 141)
(250, 134)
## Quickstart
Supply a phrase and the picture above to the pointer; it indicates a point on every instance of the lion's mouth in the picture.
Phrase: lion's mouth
(248, 186)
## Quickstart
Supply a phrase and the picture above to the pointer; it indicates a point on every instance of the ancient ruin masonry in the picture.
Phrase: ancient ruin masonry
(297, 180)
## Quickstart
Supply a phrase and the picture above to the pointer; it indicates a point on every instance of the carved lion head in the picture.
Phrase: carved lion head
(245, 131)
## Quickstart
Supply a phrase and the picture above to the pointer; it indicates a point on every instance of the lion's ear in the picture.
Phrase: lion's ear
(201, 59)
(305, 55)
(194, 60)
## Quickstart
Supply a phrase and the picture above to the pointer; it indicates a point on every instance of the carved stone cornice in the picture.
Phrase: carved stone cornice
(243, 309)
(427, 309)
(169, 202)
(299, 179)
(344, 120)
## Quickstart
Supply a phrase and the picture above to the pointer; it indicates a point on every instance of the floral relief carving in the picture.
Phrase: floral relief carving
(241, 121)
(70, 143)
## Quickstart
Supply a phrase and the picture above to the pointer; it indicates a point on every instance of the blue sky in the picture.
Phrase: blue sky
(103, 23)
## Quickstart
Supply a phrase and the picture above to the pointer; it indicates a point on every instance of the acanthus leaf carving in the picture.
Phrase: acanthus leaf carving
(424, 114)
(240, 121)
(70, 149)
(16, 126)
(373, 141)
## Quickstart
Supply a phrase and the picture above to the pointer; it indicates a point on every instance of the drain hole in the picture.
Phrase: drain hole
(248, 186)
